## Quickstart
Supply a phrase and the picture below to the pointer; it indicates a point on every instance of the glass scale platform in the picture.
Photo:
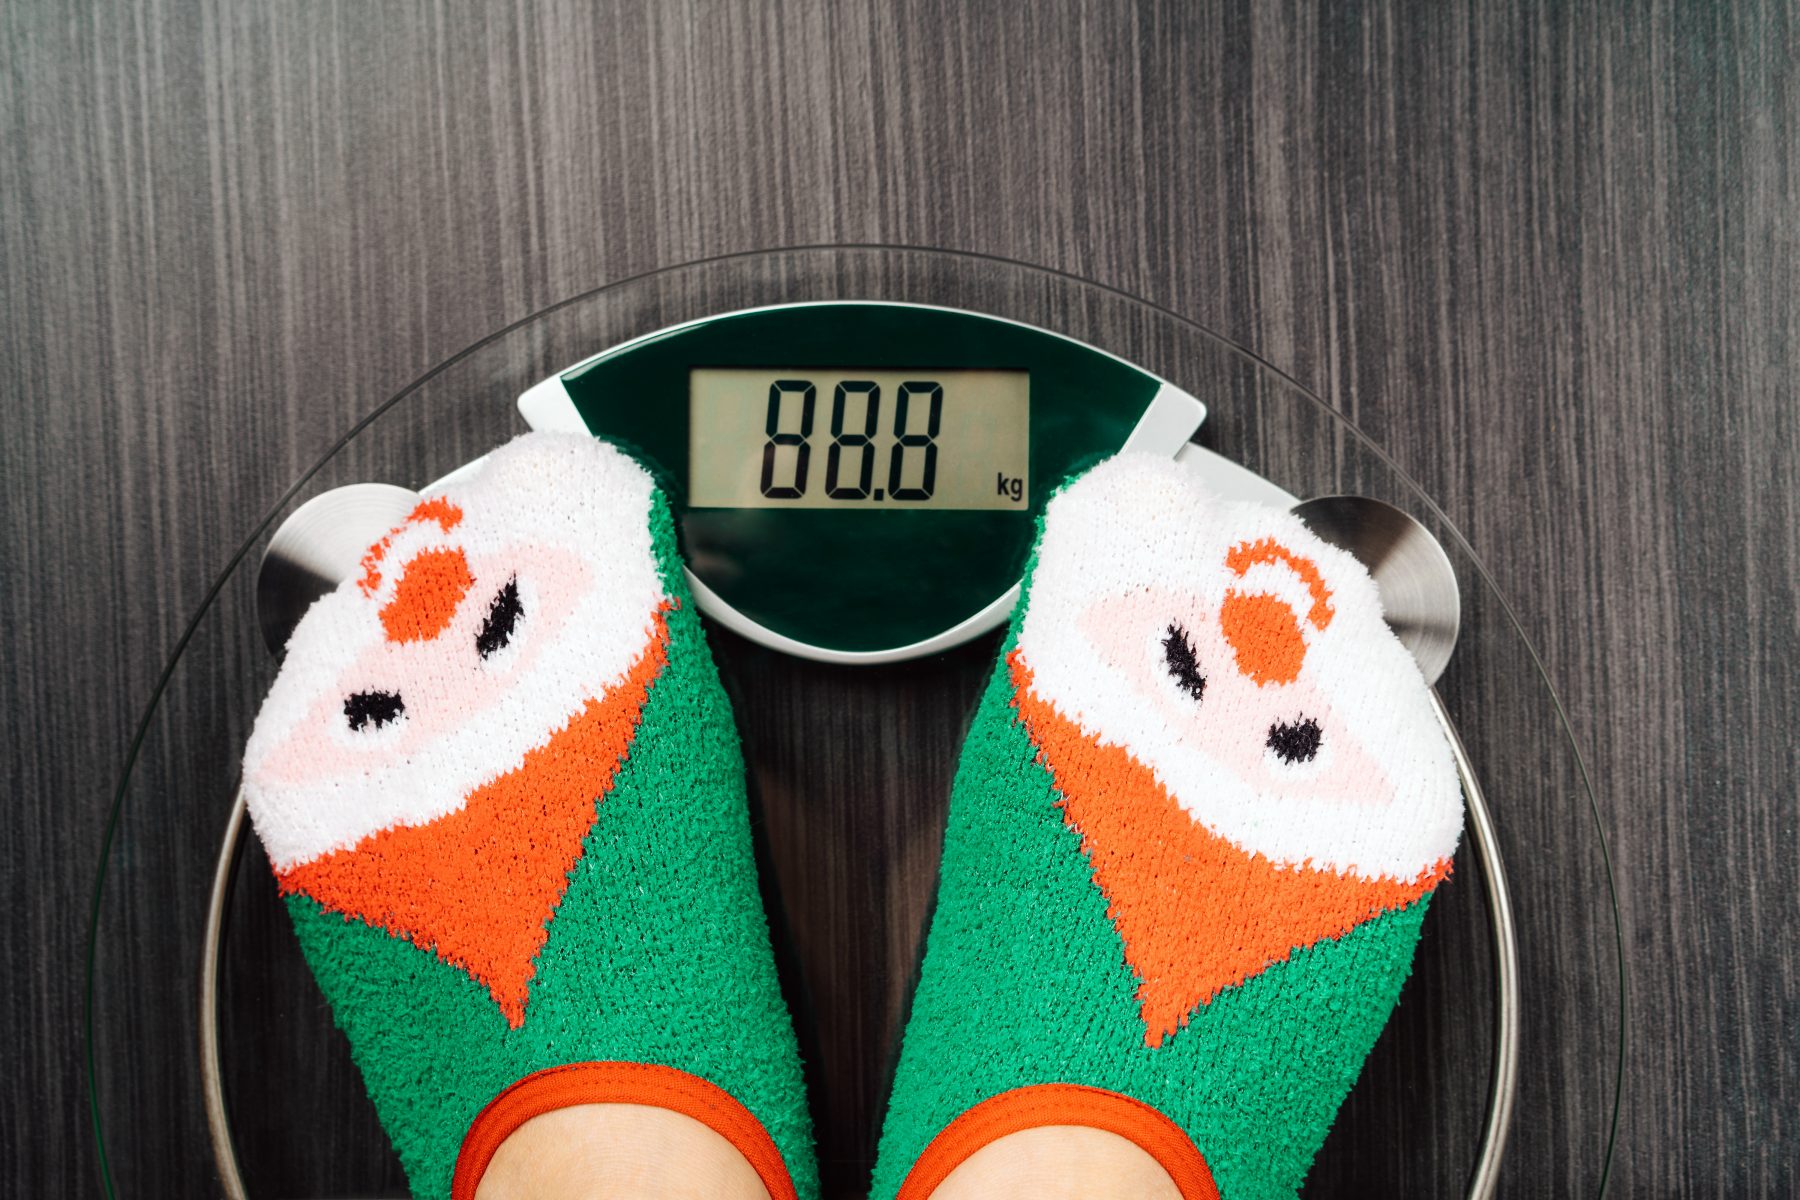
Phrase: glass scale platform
(848, 837)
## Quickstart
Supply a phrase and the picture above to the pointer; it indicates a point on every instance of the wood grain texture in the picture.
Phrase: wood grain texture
(1546, 255)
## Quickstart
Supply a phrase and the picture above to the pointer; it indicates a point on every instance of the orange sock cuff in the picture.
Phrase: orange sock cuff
(1062, 1104)
(618, 1083)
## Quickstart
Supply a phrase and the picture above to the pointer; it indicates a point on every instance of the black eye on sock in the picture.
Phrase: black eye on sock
(1295, 741)
(360, 708)
(503, 616)
(1184, 665)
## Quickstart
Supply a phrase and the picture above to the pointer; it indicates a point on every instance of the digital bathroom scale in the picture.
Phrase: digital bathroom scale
(856, 442)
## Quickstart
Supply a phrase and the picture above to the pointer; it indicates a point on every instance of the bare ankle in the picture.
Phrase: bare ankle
(1058, 1162)
(617, 1152)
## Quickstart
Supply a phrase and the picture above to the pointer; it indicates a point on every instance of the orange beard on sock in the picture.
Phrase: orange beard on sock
(478, 886)
(1197, 914)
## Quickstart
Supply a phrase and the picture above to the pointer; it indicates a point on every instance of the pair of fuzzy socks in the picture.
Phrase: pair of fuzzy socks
(1200, 813)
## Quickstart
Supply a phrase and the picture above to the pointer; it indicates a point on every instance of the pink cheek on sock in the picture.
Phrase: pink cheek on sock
(444, 683)
(1231, 723)
(1341, 773)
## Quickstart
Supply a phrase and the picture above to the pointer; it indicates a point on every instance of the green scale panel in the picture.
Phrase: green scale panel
(863, 577)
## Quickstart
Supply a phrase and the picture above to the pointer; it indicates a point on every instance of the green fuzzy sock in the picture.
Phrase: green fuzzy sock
(500, 785)
(1193, 835)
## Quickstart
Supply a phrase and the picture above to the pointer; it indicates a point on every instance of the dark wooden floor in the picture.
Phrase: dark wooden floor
(1547, 256)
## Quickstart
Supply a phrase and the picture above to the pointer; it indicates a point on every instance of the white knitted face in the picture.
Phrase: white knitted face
(1246, 664)
(482, 626)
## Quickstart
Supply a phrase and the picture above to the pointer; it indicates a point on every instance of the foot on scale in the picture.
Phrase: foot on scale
(499, 783)
(1197, 822)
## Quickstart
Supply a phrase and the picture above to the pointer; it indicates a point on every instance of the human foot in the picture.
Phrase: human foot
(501, 790)
(1194, 832)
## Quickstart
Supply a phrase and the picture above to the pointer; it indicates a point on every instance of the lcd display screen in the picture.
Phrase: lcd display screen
(854, 438)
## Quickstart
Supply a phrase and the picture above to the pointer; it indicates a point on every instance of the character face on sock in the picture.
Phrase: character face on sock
(457, 633)
(1226, 684)
(444, 726)
(1247, 752)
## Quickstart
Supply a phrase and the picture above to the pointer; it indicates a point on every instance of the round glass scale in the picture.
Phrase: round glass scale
(856, 441)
